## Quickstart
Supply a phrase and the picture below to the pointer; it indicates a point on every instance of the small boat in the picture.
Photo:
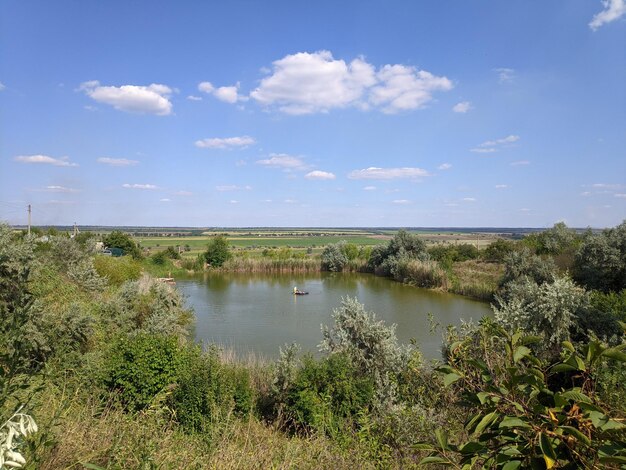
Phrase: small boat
(300, 292)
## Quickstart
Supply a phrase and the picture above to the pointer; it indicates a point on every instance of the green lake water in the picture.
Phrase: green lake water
(258, 312)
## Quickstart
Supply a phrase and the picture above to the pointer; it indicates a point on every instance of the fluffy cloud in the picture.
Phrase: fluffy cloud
(620, 195)
(520, 162)
(369, 188)
(491, 146)
(502, 186)
(462, 107)
(444, 166)
(306, 83)
(226, 142)
(194, 98)
(63, 161)
(151, 99)
(469, 199)
(613, 9)
(2, 86)
(139, 186)
(387, 173)
(229, 94)
(401, 201)
(284, 161)
(117, 161)
(320, 175)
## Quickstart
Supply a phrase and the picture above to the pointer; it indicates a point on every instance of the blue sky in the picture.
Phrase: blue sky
(326, 113)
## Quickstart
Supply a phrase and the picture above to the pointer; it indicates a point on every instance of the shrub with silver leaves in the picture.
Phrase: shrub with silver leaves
(12, 434)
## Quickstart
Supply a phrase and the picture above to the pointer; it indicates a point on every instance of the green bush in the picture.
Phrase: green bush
(419, 273)
(141, 366)
(497, 251)
(123, 241)
(600, 262)
(208, 391)
(523, 413)
(334, 258)
(117, 270)
(217, 252)
(326, 393)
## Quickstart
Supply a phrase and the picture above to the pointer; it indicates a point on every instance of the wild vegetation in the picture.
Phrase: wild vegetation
(97, 369)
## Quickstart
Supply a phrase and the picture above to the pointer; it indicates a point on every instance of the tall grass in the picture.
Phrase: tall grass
(477, 279)
(269, 265)
(420, 273)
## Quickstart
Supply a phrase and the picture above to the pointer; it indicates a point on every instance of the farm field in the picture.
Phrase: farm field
(304, 239)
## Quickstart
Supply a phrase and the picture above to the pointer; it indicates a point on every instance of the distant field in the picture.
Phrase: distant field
(302, 239)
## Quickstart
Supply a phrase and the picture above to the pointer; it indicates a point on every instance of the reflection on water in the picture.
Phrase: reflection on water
(259, 313)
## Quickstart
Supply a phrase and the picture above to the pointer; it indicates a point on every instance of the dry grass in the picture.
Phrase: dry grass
(476, 279)
(88, 433)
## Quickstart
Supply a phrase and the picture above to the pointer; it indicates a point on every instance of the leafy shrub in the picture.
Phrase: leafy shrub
(327, 392)
(117, 270)
(497, 251)
(600, 262)
(334, 258)
(141, 366)
(369, 343)
(217, 252)
(383, 259)
(519, 416)
(546, 310)
(520, 265)
(123, 241)
(419, 273)
(207, 391)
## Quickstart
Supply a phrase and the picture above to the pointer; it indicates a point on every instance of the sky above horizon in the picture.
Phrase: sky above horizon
(313, 114)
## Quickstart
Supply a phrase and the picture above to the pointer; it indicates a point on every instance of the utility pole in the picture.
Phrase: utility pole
(29, 211)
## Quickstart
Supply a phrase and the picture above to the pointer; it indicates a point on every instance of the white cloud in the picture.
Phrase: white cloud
(607, 186)
(586, 193)
(306, 83)
(194, 98)
(290, 201)
(520, 162)
(506, 140)
(139, 186)
(233, 201)
(401, 201)
(282, 160)
(183, 193)
(151, 99)
(206, 87)
(469, 199)
(2, 86)
(613, 9)
(63, 161)
(165, 200)
(483, 150)
(117, 161)
(229, 94)
(320, 175)
(505, 74)
(60, 189)
(462, 107)
(444, 166)
(369, 188)
(491, 146)
(226, 142)
(404, 88)
(502, 186)
(232, 187)
(387, 173)
(620, 195)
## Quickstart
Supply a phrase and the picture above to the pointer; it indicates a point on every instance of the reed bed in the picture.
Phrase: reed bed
(269, 265)
(477, 279)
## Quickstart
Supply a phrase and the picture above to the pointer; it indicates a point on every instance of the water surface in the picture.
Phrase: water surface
(259, 313)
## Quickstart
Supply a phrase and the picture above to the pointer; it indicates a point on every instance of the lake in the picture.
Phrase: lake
(259, 313)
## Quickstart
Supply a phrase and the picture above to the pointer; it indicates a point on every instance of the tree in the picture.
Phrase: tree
(217, 252)
(601, 260)
(334, 258)
(123, 241)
